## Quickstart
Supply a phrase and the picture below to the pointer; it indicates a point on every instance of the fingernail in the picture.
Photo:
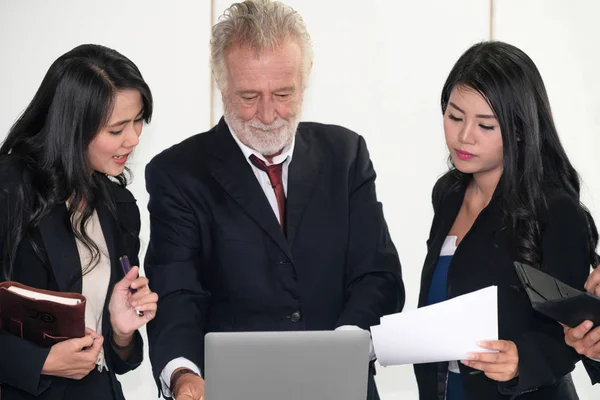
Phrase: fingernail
(471, 356)
(134, 304)
(588, 324)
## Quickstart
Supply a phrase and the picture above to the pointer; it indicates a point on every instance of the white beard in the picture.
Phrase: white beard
(268, 140)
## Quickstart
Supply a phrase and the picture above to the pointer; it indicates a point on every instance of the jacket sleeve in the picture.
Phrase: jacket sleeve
(132, 241)
(117, 364)
(593, 369)
(21, 362)
(374, 278)
(544, 357)
(173, 263)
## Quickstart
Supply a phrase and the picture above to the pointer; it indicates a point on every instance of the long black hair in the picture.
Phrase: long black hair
(51, 137)
(533, 157)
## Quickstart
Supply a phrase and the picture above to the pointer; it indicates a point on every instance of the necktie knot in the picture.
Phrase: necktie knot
(275, 173)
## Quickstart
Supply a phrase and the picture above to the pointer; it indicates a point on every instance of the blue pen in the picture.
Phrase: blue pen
(126, 268)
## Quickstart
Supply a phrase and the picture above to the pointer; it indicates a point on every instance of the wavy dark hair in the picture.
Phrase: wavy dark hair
(51, 138)
(534, 158)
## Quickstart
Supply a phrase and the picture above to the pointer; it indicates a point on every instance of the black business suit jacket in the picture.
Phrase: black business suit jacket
(220, 261)
(58, 267)
(485, 257)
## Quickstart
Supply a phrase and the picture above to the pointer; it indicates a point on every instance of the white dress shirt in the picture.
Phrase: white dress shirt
(265, 183)
(263, 179)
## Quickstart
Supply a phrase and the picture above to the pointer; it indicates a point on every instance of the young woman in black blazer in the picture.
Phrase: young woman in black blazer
(511, 195)
(66, 218)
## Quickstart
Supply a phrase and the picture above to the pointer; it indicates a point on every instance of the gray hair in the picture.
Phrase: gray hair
(261, 25)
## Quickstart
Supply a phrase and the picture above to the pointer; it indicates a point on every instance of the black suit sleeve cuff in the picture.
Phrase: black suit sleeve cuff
(535, 370)
(593, 369)
(120, 366)
(26, 374)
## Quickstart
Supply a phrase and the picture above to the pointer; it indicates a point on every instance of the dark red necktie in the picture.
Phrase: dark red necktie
(275, 173)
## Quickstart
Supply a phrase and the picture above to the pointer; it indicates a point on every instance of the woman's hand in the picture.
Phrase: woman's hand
(74, 358)
(124, 304)
(501, 366)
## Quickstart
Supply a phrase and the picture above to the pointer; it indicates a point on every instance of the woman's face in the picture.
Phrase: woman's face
(472, 132)
(109, 150)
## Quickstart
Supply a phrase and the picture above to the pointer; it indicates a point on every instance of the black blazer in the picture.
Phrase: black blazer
(220, 261)
(485, 257)
(60, 269)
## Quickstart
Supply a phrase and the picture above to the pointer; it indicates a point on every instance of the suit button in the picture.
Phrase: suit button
(296, 316)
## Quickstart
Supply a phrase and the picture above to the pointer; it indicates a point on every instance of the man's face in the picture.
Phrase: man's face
(264, 95)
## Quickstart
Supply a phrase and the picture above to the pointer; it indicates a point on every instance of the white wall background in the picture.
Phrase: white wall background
(379, 69)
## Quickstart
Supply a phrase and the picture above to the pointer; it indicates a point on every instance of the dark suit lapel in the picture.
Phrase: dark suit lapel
(235, 175)
(449, 210)
(61, 248)
(111, 233)
(303, 175)
(111, 236)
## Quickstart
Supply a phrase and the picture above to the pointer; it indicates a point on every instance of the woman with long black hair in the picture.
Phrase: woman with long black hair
(511, 195)
(66, 218)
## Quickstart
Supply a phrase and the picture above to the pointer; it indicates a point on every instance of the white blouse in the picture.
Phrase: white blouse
(96, 278)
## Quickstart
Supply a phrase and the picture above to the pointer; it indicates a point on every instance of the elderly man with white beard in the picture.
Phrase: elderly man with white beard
(263, 223)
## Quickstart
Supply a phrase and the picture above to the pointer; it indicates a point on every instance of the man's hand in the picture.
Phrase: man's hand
(584, 339)
(189, 387)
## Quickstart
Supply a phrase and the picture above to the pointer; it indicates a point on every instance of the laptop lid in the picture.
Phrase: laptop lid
(330, 365)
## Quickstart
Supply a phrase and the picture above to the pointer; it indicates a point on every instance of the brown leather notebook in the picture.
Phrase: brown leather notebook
(41, 316)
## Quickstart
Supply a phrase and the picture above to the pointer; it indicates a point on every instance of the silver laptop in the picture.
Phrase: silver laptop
(308, 365)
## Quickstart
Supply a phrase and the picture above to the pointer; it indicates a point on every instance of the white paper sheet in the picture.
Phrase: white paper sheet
(42, 296)
(445, 331)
